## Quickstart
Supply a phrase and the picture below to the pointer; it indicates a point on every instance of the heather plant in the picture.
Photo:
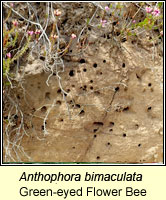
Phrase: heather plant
(152, 19)
(9, 45)
(10, 38)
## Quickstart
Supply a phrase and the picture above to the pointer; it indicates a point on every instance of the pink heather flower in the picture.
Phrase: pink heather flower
(73, 36)
(57, 12)
(149, 9)
(161, 33)
(9, 55)
(37, 32)
(103, 22)
(11, 4)
(30, 33)
(156, 12)
(107, 8)
(134, 21)
(15, 23)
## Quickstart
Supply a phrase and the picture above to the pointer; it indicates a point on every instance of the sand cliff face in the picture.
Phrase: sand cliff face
(113, 109)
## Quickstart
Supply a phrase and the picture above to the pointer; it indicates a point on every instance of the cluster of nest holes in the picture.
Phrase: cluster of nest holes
(97, 126)
(72, 72)
(14, 116)
(142, 160)
(123, 40)
(77, 106)
(83, 87)
(107, 36)
(149, 84)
